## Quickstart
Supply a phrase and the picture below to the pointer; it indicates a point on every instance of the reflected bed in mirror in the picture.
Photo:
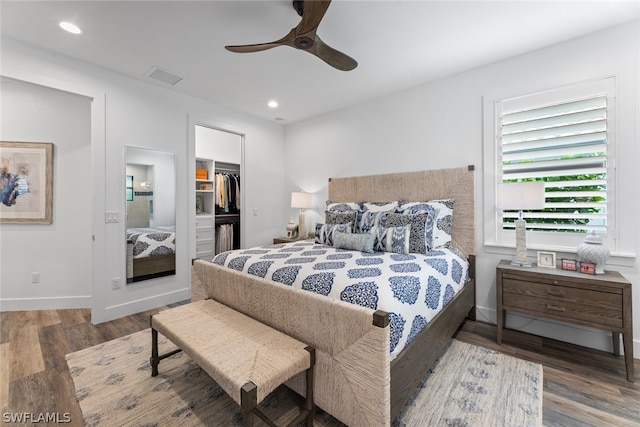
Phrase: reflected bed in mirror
(150, 194)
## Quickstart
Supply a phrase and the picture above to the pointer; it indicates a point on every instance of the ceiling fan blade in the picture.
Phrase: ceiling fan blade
(252, 47)
(333, 57)
(285, 41)
(312, 13)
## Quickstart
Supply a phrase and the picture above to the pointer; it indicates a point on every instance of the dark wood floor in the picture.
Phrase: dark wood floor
(582, 387)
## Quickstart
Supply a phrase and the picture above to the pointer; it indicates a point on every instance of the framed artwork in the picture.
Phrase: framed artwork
(588, 268)
(26, 182)
(546, 259)
(569, 264)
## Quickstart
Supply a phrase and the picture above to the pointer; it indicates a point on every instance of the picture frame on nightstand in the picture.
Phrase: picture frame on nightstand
(546, 259)
(587, 268)
(569, 264)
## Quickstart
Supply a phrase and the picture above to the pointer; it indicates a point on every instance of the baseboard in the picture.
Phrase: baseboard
(137, 306)
(48, 303)
(574, 334)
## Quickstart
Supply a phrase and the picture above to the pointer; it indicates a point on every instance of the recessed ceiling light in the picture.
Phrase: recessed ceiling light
(273, 104)
(72, 28)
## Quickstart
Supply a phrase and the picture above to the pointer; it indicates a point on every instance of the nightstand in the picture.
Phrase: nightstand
(601, 301)
(277, 240)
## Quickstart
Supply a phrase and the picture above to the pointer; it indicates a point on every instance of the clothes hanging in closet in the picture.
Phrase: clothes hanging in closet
(227, 193)
(224, 238)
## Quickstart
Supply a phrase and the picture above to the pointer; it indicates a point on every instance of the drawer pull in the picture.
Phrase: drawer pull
(555, 307)
(556, 293)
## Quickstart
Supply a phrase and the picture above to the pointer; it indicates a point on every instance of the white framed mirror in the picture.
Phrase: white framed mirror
(150, 214)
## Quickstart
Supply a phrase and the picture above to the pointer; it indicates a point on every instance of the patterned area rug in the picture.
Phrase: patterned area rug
(469, 386)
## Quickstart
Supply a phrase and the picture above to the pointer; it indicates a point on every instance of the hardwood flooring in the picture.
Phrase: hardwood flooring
(582, 387)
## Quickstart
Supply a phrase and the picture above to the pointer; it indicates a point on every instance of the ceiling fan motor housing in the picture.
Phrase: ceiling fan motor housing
(298, 5)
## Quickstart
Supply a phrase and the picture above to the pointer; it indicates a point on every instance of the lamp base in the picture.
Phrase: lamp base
(521, 263)
(521, 244)
(302, 228)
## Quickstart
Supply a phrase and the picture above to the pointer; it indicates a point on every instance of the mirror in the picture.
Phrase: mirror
(150, 199)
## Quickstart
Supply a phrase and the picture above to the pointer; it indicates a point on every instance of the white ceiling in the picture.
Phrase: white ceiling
(398, 44)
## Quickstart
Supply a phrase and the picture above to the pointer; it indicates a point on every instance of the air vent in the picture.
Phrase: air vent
(164, 76)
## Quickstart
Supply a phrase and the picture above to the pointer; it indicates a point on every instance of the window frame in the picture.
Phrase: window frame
(495, 236)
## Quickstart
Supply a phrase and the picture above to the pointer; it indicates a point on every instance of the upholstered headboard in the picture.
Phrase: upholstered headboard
(455, 183)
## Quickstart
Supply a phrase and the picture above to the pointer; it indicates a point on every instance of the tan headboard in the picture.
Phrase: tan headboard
(456, 183)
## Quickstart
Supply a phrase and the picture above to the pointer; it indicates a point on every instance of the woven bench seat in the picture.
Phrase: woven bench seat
(248, 359)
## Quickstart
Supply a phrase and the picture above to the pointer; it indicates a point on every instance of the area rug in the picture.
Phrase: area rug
(468, 386)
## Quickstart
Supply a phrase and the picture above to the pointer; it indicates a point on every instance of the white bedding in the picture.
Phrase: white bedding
(413, 288)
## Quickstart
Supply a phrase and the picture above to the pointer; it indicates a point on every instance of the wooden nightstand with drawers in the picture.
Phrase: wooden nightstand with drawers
(601, 301)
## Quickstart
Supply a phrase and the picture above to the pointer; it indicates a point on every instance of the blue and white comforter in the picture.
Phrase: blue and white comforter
(412, 288)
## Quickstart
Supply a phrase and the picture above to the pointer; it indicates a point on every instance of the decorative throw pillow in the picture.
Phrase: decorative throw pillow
(414, 208)
(380, 206)
(324, 232)
(443, 219)
(354, 242)
(347, 217)
(418, 222)
(392, 239)
(342, 206)
(371, 219)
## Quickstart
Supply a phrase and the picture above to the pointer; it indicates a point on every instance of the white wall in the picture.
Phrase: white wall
(127, 112)
(440, 125)
(218, 145)
(34, 113)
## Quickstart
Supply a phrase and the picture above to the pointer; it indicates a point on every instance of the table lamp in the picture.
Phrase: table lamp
(521, 196)
(302, 201)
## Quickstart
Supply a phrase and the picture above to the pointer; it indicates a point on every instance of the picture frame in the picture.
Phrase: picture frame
(199, 204)
(546, 259)
(26, 180)
(587, 268)
(569, 264)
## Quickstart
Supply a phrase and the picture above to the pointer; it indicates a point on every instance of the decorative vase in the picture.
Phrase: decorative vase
(593, 250)
(291, 227)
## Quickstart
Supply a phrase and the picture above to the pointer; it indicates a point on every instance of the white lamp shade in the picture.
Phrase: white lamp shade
(521, 195)
(301, 200)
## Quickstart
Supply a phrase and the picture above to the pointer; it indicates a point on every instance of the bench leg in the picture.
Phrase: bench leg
(155, 358)
(154, 353)
(249, 401)
(309, 403)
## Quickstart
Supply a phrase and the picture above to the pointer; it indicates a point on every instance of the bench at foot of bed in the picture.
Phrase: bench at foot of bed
(248, 359)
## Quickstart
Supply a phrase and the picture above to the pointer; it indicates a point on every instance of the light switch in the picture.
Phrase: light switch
(111, 217)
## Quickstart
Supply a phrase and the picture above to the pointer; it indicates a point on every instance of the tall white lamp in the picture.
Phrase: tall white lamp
(521, 196)
(301, 201)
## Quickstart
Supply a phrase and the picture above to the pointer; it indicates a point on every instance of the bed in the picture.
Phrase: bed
(150, 253)
(362, 377)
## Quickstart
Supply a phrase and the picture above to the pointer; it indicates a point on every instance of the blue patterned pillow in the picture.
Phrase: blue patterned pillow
(380, 206)
(392, 239)
(342, 206)
(418, 222)
(370, 219)
(443, 219)
(347, 217)
(324, 232)
(354, 242)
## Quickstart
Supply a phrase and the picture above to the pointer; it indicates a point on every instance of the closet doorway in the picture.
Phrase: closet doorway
(218, 191)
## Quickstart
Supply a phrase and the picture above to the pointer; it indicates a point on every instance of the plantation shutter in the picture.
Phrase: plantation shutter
(565, 145)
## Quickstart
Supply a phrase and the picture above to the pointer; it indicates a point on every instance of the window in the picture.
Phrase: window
(564, 138)
(129, 188)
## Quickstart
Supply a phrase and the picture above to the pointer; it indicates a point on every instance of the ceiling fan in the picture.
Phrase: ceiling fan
(304, 37)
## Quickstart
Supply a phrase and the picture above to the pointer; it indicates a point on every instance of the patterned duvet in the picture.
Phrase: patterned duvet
(152, 241)
(413, 288)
